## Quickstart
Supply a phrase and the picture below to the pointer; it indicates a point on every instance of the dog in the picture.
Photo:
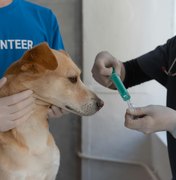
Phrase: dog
(29, 152)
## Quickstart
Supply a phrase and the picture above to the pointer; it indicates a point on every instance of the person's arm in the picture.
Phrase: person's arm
(15, 109)
(134, 74)
(153, 62)
(150, 66)
(151, 119)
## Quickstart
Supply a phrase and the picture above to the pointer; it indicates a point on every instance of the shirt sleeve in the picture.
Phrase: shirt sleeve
(134, 74)
(56, 41)
(150, 65)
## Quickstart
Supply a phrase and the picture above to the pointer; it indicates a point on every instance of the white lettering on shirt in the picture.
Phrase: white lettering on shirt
(24, 44)
(16, 44)
(30, 44)
(11, 43)
(3, 45)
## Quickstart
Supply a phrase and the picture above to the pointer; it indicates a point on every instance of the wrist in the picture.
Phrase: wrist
(172, 125)
(172, 129)
(173, 132)
(170, 121)
(123, 71)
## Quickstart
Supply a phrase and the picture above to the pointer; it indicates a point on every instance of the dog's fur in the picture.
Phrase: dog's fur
(29, 152)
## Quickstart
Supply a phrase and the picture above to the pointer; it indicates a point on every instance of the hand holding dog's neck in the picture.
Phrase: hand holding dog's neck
(40, 102)
(4, 3)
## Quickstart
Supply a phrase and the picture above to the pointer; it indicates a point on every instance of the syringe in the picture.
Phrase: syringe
(121, 88)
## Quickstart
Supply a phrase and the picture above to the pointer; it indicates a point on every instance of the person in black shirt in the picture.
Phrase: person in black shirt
(159, 64)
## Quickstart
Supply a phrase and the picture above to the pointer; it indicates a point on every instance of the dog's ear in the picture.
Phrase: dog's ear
(64, 52)
(37, 59)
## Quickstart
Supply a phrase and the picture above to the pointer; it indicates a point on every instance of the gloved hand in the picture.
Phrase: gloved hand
(56, 112)
(102, 69)
(151, 119)
(15, 109)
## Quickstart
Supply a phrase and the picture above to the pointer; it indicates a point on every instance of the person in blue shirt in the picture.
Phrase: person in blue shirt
(23, 25)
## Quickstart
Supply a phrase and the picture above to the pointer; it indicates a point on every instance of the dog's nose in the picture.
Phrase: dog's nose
(99, 104)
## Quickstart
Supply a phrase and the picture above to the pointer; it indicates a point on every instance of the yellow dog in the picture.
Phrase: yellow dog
(29, 152)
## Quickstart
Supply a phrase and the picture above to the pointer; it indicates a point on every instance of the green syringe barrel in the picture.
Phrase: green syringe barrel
(119, 85)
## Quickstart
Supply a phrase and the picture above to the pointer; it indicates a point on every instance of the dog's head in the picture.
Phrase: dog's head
(54, 78)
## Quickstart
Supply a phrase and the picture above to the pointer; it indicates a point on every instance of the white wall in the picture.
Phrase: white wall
(127, 29)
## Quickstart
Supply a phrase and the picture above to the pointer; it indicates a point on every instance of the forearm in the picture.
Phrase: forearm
(134, 74)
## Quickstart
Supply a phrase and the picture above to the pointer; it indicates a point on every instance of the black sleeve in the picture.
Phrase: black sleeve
(150, 65)
(134, 74)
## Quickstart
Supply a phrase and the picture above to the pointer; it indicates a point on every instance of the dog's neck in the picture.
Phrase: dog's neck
(36, 127)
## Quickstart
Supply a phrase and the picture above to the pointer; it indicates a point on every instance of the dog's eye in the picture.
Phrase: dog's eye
(73, 79)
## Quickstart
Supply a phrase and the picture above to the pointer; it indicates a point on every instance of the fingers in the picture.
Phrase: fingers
(137, 111)
(102, 68)
(19, 106)
(132, 122)
(16, 98)
(101, 74)
(8, 124)
(53, 113)
(15, 109)
(139, 119)
(56, 112)
(104, 62)
(19, 114)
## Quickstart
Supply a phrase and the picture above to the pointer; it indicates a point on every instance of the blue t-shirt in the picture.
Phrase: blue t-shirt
(23, 25)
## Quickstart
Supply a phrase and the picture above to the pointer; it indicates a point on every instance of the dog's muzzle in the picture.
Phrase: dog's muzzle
(99, 104)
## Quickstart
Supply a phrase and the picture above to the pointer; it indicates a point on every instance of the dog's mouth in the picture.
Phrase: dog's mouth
(72, 110)
(75, 111)
(86, 109)
(68, 107)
